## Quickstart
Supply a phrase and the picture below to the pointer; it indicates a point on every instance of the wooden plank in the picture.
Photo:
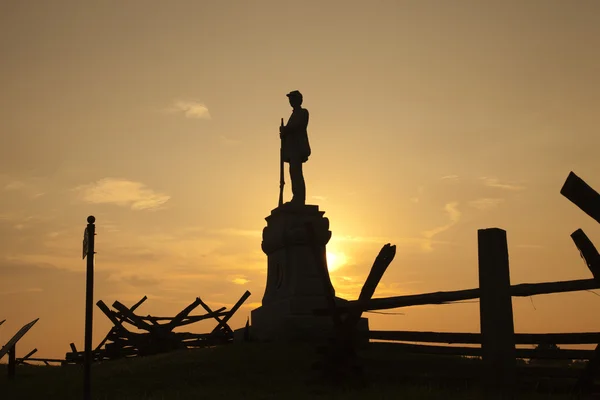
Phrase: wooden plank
(12, 361)
(588, 252)
(112, 329)
(189, 319)
(138, 322)
(432, 337)
(475, 338)
(532, 289)
(6, 348)
(139, 303)
(26, 357)
(495, 310)
(519, 290)
(176, 321)
(214, 315)
(562, 354)
(382, 261)
(196, 318)
(233, 310)
(110, 315)
(582, 195)
(592, 259)
(43, 359)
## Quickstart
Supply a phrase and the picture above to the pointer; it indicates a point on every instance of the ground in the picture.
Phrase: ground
(247, 371)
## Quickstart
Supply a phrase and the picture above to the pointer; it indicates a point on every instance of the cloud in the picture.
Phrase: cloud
(15, 185)
(485, 203)
(123, 193)
(240, 281)
(27, 188)
(454, 215)
(495, 183)
(191, 109)
(450, 178)
(21, 291)
(319, 198)
(404, 243)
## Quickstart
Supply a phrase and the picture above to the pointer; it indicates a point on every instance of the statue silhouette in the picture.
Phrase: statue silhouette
(295, 148)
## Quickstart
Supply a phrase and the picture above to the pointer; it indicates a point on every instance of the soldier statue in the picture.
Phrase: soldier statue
(295, 148)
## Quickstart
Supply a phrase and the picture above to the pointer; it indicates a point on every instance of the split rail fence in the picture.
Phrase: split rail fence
(157, 333)
(497, 340)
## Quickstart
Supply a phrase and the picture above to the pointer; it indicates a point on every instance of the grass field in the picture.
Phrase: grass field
(244, 371)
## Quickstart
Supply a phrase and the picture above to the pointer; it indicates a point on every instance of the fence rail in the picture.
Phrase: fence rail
(448, 297)
(475, 338)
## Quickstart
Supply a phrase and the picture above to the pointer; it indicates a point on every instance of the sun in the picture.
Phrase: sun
(335, 260)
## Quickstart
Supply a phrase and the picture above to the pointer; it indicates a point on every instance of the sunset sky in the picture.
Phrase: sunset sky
(428, 120)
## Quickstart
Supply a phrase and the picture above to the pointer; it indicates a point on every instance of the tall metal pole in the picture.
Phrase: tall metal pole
(88, 249)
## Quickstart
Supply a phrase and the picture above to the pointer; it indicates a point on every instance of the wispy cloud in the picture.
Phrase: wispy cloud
(21, 291)
(450, 178)
(191, 109)
(495, 183)
(454, 215)
(319, 198)
(27, 188)
(485, 203)
(240, 281)
(421, 243)
(15, 185)
(122, 192)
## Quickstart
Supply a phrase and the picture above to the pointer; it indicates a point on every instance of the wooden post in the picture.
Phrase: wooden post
(582, 195)
(232, 311)
(495, 307)
(12, 361)
(88, 250)
(592, 259)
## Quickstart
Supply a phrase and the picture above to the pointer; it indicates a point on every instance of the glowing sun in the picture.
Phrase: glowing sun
(335, 260)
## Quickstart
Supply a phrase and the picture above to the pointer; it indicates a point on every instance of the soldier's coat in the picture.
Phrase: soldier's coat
(295, 138)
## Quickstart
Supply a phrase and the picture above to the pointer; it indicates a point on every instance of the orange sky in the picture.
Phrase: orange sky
(429, 120)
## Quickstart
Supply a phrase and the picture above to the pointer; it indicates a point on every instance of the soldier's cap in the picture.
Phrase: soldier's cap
(294, 93)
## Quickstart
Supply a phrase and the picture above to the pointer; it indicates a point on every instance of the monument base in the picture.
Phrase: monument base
(295, 286)
(291, 320)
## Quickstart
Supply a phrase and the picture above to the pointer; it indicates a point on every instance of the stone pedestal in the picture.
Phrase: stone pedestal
(294, 287)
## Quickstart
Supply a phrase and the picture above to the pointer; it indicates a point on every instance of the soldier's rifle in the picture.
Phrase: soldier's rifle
(281, 178)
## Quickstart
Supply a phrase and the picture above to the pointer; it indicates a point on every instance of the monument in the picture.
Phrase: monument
(294, 287)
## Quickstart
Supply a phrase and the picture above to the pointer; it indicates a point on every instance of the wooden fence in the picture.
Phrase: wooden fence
(10, 348)
(158, 335)
(497, 340)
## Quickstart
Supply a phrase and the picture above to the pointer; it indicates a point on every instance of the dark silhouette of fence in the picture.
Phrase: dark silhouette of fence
(497, 340)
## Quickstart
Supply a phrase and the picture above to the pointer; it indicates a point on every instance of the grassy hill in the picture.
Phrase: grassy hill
(244, 371)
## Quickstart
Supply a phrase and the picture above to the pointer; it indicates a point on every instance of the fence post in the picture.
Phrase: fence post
(495, 310)
(12, 361)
